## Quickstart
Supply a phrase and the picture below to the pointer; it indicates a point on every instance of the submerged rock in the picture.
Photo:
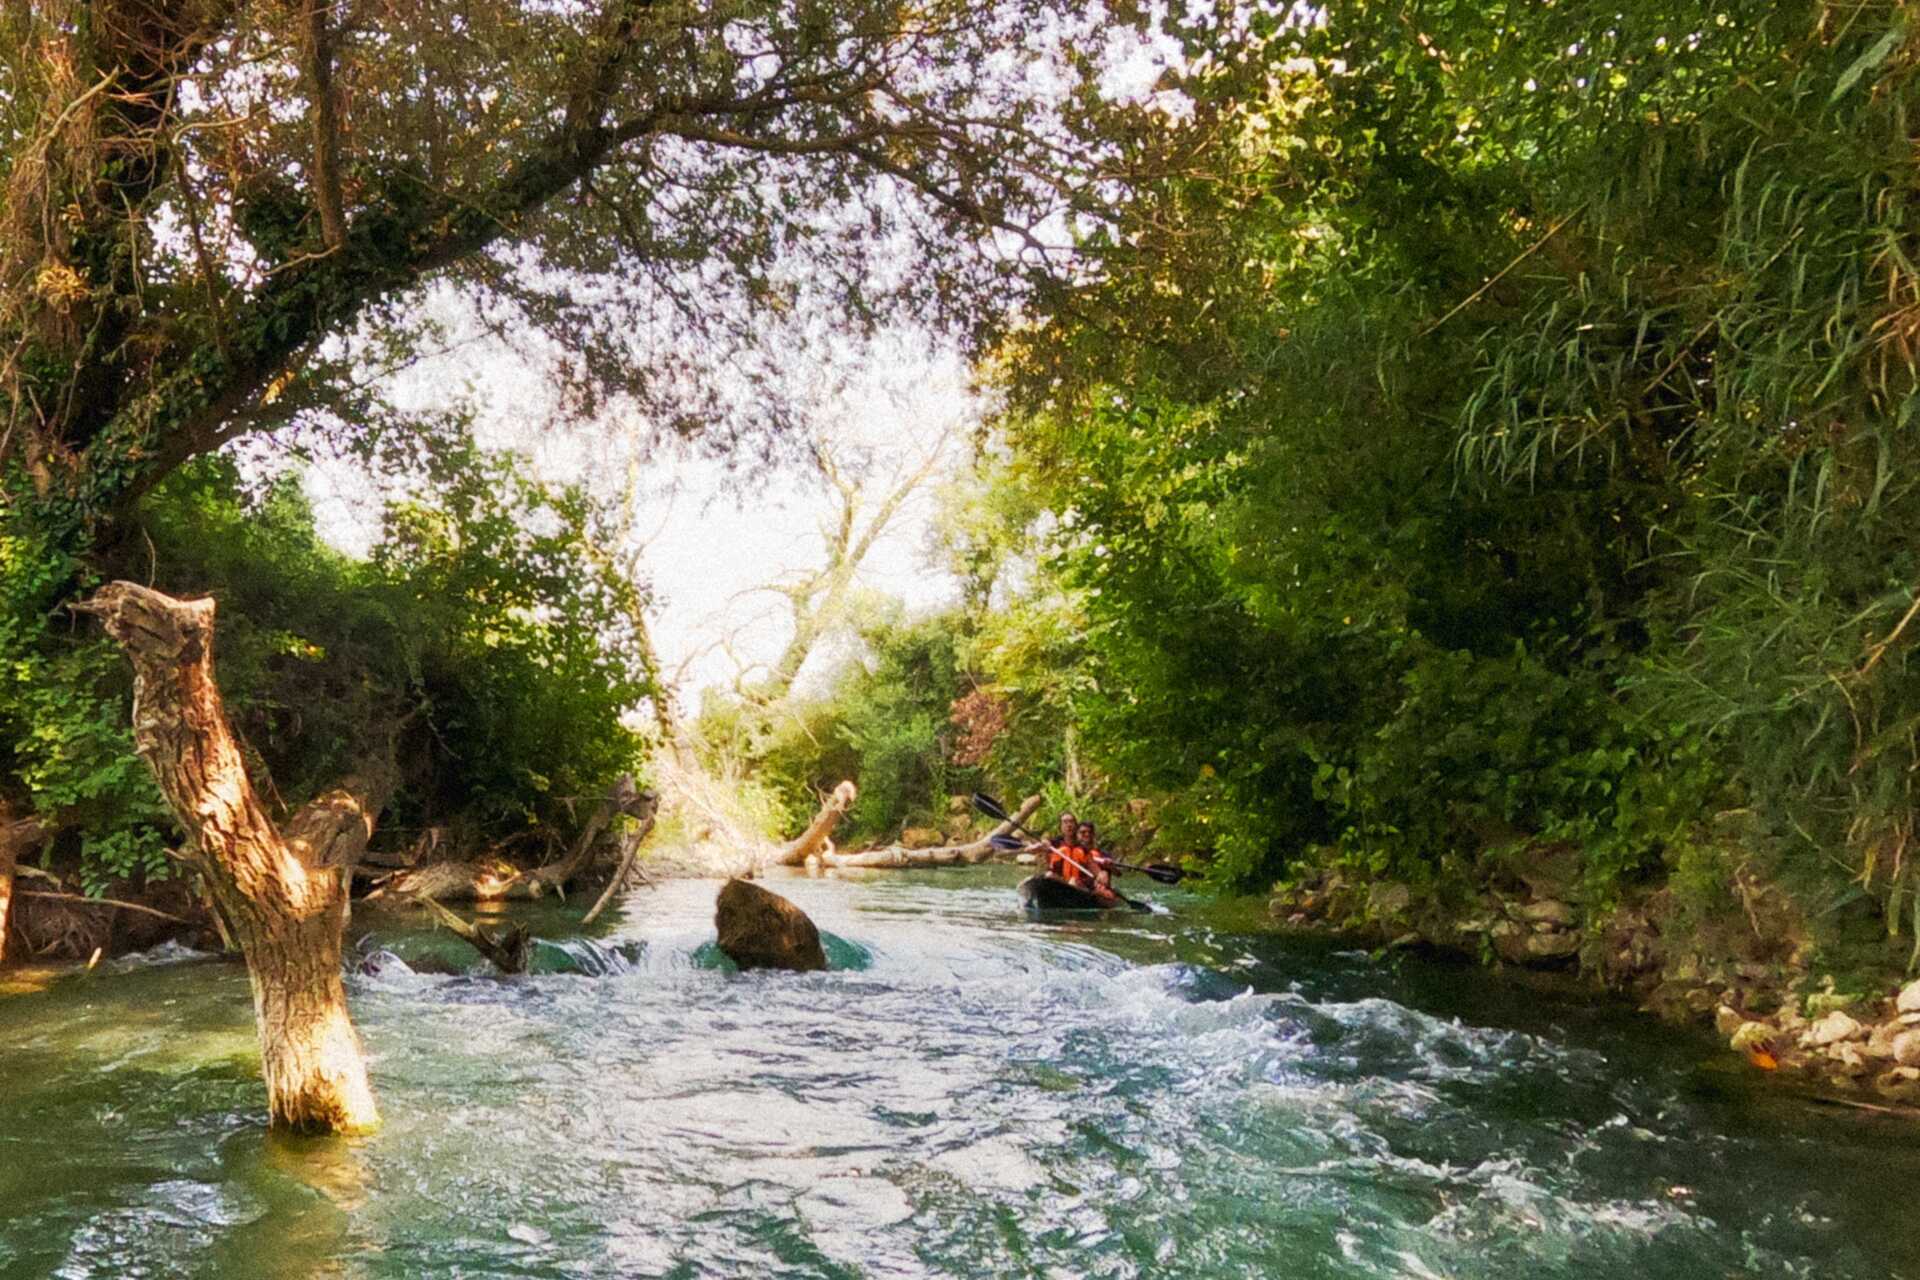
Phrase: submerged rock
(1519, 943)
(1389, 899)
(1902, 1084)
(762, 930)
(1880, 1039)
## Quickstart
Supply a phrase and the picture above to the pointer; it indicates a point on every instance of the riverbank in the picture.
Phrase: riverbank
(1752, 975)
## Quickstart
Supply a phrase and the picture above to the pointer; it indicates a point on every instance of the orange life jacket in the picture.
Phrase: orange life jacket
(1072, 864)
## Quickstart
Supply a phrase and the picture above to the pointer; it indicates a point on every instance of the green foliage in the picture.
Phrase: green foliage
(527, 655)
(483, 637)
(884, 722)
(1507, 441)
(63, 725)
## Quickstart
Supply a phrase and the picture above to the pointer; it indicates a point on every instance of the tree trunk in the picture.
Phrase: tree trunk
(814, 838)
(898, 856)
(16, 837)
(284, 895)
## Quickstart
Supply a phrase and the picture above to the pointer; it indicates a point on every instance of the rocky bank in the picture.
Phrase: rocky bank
(1752, 977)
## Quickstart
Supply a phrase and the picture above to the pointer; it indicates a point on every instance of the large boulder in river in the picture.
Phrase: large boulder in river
(762, 930)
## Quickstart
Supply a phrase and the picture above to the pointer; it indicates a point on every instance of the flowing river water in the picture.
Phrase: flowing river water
(965, 1094)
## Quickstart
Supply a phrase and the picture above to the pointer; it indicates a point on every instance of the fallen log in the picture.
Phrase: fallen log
(817, 834)
(627, 798)
(633, 841)
(490, 878)
(509, 947)
(900, 857)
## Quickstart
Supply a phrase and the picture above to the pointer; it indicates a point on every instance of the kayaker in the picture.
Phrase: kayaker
(1098, 864)
(1052, 845)
(1074, 863)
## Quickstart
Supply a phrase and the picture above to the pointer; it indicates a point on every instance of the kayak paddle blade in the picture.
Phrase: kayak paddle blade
(989, 806)
(1007, 844)
(1163, 873)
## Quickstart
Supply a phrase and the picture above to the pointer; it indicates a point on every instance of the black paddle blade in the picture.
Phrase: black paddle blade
(1007, 844)
(989, 806)
(1163, 873)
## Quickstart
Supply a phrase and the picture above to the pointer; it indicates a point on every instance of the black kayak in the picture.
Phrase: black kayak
(1046, 893)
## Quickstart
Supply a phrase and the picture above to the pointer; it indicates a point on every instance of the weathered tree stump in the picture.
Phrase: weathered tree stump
(759, 929)
(283, 893)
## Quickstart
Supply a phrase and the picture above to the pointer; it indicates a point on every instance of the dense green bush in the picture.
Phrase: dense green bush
(885, 721)
(481, 638)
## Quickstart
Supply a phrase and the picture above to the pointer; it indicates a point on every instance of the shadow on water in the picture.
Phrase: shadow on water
(962, 1093)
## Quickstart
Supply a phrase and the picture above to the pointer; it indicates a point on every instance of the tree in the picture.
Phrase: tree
(167, 288)
(216, 210)
(1501, 428)
(818, 599)
(282, 890)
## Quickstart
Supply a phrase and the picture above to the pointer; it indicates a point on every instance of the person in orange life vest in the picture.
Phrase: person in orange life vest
(1053, 865)
(1099, 867)
(1075, 861)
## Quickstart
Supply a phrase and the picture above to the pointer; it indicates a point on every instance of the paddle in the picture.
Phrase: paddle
(1154, 870)
(988, 805)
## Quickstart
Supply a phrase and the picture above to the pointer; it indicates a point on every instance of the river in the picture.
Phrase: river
(967, 1094)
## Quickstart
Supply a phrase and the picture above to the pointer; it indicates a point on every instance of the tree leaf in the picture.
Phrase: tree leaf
(1880, 51)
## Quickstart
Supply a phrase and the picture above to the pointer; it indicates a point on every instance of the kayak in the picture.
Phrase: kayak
(1046, 893)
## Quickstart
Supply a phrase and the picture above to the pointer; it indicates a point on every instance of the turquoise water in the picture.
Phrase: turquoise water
(965, 1094)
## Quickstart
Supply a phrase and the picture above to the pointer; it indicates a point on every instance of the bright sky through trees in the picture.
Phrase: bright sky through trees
(715, 531)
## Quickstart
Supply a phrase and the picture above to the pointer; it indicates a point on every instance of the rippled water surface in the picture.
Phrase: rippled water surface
(969, 1094)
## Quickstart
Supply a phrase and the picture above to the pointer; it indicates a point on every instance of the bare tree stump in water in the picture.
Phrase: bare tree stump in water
(283, 893)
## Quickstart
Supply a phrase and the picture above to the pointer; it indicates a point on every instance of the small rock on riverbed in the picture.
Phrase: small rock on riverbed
(1906, 1048)
(1832, 1029)
(760, 929)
